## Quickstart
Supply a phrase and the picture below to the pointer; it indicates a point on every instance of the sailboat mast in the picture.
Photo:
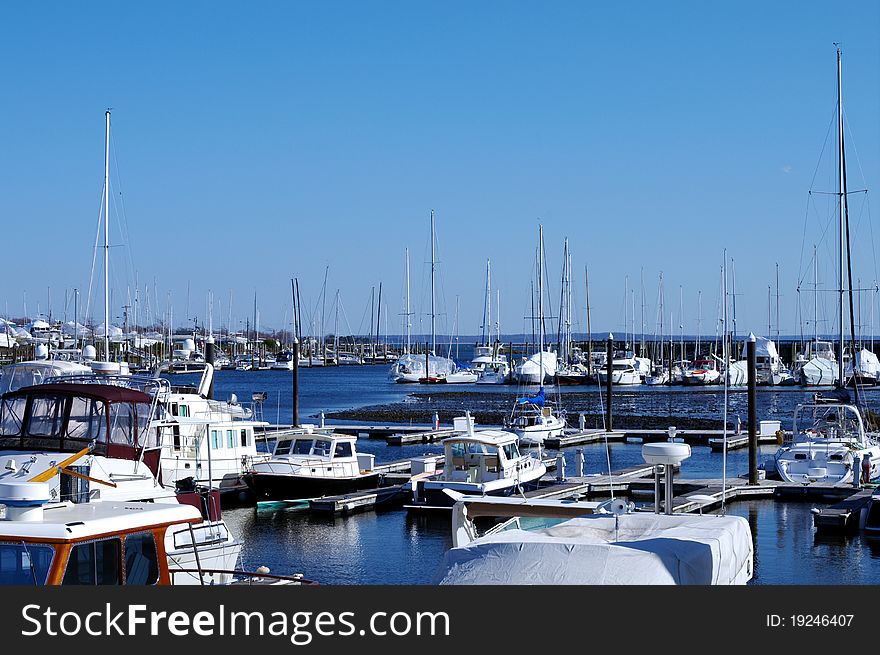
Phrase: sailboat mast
(589, 327)
(488, 302)
(777, 302)
(541, 303)
(841, 215)
(433, 333)
(107, 237)
(407, 323)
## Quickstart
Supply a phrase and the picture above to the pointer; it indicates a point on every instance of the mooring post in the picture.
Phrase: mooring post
(751, 357)
(209, 358)
(579, 462)
(658, 468)
(560, 468)
(609, 355)
(295, 382)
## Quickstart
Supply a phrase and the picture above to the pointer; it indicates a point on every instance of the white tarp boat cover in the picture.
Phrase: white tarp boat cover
(764, 347)
(651, 549)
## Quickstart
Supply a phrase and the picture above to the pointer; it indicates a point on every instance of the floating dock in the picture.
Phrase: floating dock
(842, 517)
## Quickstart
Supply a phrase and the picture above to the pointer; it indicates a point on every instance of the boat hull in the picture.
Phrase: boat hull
(277, 487)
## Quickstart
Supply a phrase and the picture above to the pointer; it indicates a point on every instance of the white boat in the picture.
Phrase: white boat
(562, 542)
(47, 542)
(623, 369)
(490, 365)
(702, 372)
(408, 368)
(820, 367)
(532, 419)
(102, 429)
(311, 464)
(659, 375)
(35, 371)
(412, 368)
(864, 370)
(529, 370)
(769, 369)
(827, 439)
(283, 361)
(210, 442)
(477, 463)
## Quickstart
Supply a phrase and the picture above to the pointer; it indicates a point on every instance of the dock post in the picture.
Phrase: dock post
(560, 468)
(657, 469)
(609, 355)
(751, 357)
(582, 422)
(579, 462)
(436, 421)
(321, 415)
(857, 471)
(209, 358)
(668, 484)
(295, 382)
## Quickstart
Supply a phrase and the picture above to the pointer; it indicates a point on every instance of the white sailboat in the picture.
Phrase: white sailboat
(490, 365)
(835, 444)
(532, 417)
(414, 368)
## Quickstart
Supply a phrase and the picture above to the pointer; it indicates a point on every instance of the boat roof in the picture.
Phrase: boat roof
(492, 437)
(69, 521)
(106, 392)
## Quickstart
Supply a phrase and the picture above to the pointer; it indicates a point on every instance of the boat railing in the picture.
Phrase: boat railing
(250, 577)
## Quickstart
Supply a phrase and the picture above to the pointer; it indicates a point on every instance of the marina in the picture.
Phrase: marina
(500, 302)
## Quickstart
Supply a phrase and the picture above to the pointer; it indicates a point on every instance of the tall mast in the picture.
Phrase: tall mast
(589, 327)
(433, 315)
(541, 303)
(841, 216)
(107, 237)
(777, 302)
(486, 332)
(815, 297)
(407, 323)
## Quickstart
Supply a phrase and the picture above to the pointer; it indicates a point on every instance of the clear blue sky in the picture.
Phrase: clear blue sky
(255, 142)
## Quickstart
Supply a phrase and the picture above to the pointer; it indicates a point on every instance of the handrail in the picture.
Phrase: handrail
(249, 574)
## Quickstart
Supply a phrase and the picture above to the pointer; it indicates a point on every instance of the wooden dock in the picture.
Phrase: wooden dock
(426, 436)
(842, 517)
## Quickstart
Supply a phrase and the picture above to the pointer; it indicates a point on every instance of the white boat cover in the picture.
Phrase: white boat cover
(652, 549)
(764, 347)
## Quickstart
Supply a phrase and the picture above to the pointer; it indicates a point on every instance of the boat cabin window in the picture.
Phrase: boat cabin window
(301, 447)
(141, 561)
(343, 449)
(244, 437)
(230, 438)
(123, 424)
(215, 439)
(511, 451)
(93, 563)
(12, 416)
(86, 418)
(322, 448)
(282, 447)
(46, 416)
(24, 564)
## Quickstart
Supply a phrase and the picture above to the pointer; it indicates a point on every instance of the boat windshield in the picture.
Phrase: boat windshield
(511, 451)
(25, 564)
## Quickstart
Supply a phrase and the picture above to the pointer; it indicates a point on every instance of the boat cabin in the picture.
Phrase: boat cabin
(67, 417)
(487, 455)
(105, 543)
(832, 421)
(321, 454)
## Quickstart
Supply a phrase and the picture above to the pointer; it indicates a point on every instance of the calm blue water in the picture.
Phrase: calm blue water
(394, 547)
